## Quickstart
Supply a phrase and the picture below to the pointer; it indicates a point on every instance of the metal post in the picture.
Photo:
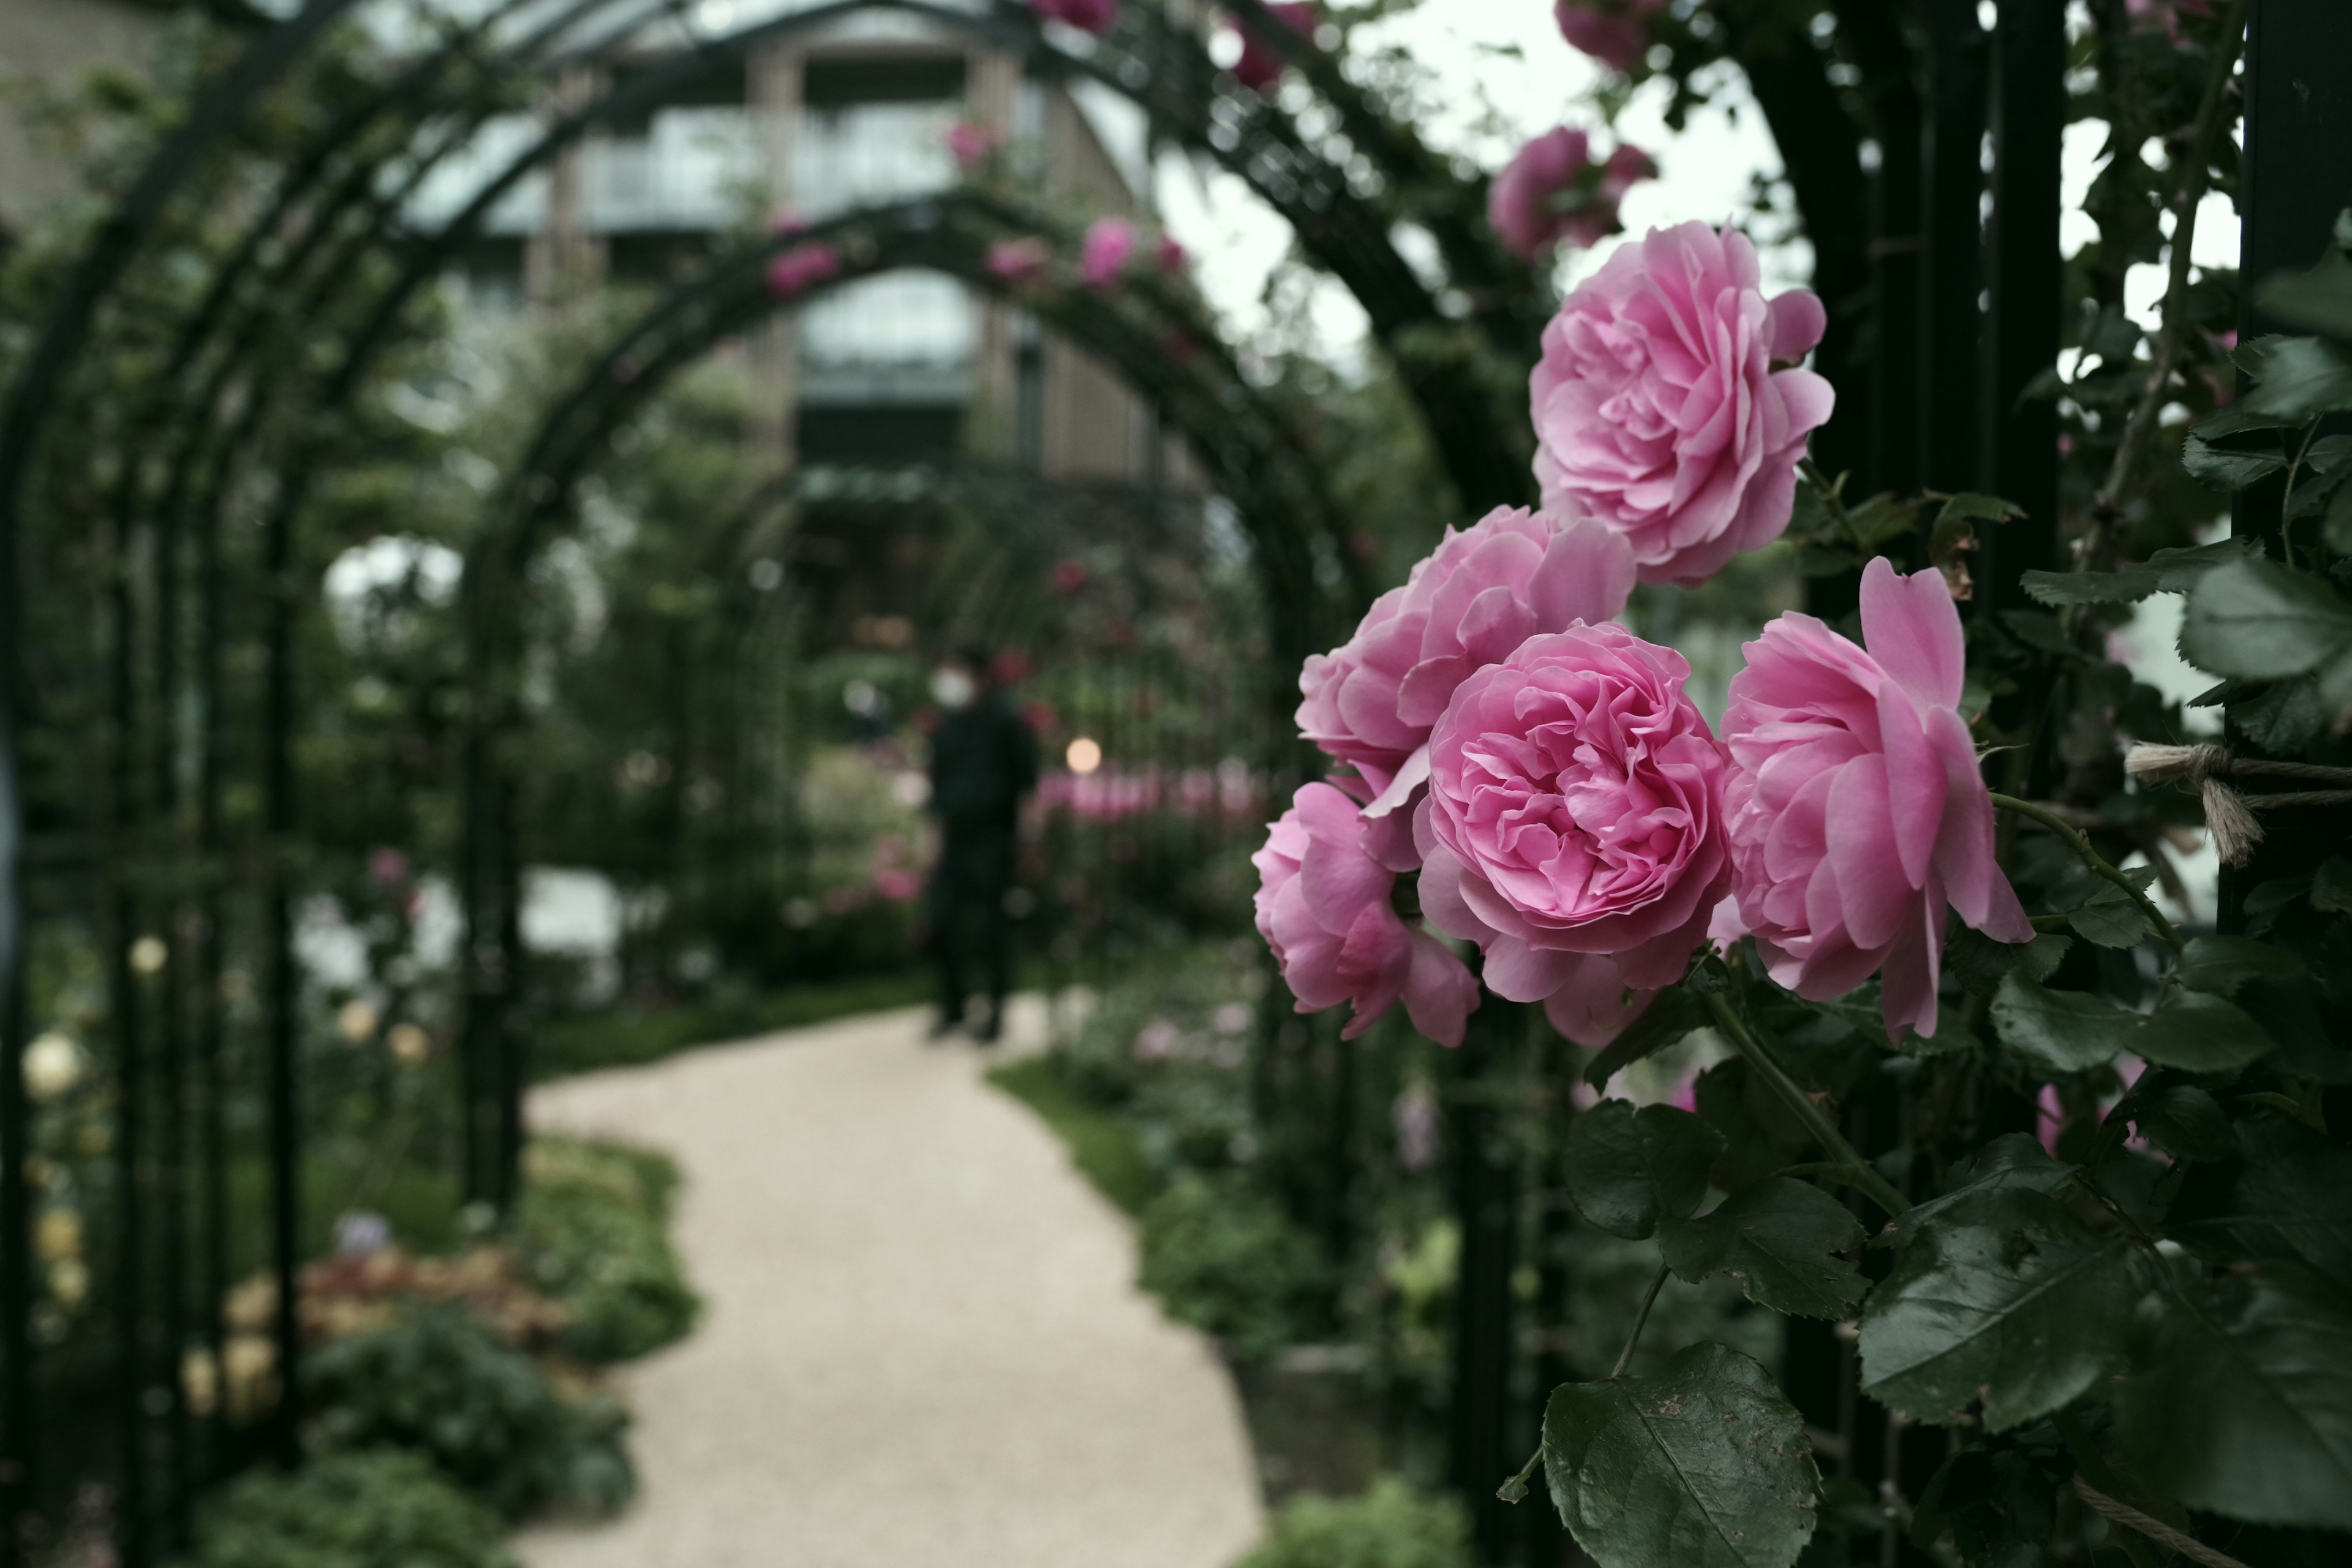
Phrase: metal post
(1485, 1205)
(2294, 177)
(1950, 321)
(280, 1007)
(2027, 286)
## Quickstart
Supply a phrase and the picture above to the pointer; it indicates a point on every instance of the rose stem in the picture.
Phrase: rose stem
(1873, 1186)
(2095, 861)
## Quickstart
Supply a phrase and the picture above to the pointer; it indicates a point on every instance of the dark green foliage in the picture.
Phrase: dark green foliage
(1224, 1259)
(2286, 1197)
(1389, 1526)
(1702, 1465)
(435, 1383)
(2003, 1295)
(593, 1232)
(1781, 1240)
(1627, 1169)
(2243, 1402)
(377, 1507)
(629, 1036)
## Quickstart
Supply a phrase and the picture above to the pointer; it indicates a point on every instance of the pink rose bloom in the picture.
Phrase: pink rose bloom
(1110, 246)
(1019, 260)
(1474, 598)
(802, 268)
(971, 145)
(1656, 407)
(1323, 907)
(1088, 15)
(1553, 191)
(1574, 825)
(1855, 809)
(1172, 255)
(1611, 31)
(1260, 66)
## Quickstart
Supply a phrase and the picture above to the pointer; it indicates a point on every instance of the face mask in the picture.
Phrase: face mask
(952, 688)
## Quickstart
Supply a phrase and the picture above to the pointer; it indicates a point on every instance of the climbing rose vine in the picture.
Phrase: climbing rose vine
(2143, 1315)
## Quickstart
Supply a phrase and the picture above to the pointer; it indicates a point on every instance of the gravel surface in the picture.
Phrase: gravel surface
(921, 1344)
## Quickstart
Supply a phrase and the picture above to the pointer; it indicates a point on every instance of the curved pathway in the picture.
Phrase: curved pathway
(921, 1343)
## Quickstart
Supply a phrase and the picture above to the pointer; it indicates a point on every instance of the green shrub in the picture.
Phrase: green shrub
(436, 1382)
(1223, 1257)
(374, 1509)
(1390, 1526)
(593, 1232)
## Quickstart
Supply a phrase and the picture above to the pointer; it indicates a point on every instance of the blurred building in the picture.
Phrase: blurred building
(905, 366)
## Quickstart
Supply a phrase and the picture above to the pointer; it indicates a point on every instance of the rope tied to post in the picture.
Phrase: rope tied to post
(2229, 813)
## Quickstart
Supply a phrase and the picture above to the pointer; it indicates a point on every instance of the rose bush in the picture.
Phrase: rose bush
(1657, 407)
(1553, 191)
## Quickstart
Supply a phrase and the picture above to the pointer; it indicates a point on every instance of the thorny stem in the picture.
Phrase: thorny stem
(1875, 1187)
(2095, 861)
(2184, 233)
(1641, 1321)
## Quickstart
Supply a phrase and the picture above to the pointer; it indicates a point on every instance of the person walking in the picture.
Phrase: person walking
(984, 762)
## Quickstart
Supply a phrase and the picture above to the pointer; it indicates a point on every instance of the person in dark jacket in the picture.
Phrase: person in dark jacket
(983, 760)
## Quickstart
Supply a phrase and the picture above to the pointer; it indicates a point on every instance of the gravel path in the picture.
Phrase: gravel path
(921, 1343)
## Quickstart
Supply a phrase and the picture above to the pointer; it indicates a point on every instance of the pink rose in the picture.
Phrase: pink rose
(1855, 809)
(802, 268)
(1611, 31)
(1019, 260)
(1323, 907)
(1475, 597)
(1110, 246)
(1657, 409)
(1170, 254)
(1574, 825)
(1261, 66)
(1088, 15)
(971, 145)
(1553, 191)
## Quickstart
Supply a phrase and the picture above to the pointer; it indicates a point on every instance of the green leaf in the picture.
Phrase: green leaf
(2283, 1198)
(1627, 1169)
(2057, 1031)
(2243, 1402)
(2109, 919)
(2319, 301)
(2261, 621)
(2198, 1033)
(1779, 1238)
(2331, 886)
(2180, 570)
(1702, 1465)
(2302, 377)
(2058, 589)
(1970, 506)
(2003, 1296)
(2221, 963)
(2337, 528)
(2183, 1120)
(2012, 1160)
(2229, 467)
(1673, 1014)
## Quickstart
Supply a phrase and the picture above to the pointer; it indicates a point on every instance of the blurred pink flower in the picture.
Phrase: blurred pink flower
(387, 867)
(1611, 31)
(1856, 806)
(970, 144)
(1415, 1118)
(802, 268)
(786, 222)
(1261, 66)
(1172, 255)
(1110, 246)
(1088, 15)
(1019, 260)
(1232, 1019)
(1323, 907)
(1479, 595)
(1552, 190)
(1656, 407)
(1154, 1040)
(1574, 825)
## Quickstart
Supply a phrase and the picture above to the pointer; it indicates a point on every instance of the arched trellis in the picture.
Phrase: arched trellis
(1143, 329)
(315, 258)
